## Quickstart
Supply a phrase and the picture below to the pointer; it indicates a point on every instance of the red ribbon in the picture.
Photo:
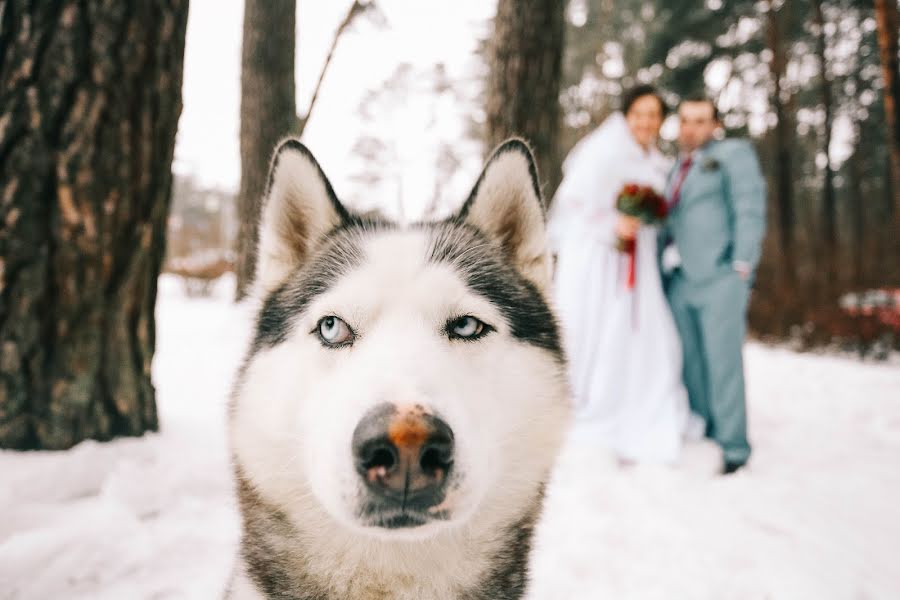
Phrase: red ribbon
(629, 247)
(631, 257)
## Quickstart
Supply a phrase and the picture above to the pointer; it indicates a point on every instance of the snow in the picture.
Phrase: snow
(136, 518)
(814, 516)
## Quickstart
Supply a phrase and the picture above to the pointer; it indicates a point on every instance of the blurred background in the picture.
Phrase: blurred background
(406, 111)
(134, 145)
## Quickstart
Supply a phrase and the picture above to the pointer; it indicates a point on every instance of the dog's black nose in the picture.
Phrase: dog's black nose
(404, 455)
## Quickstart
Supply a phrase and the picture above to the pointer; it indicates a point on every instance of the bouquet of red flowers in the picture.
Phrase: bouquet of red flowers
(643, 203)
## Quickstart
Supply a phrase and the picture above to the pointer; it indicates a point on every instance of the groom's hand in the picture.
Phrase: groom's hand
(742, 269)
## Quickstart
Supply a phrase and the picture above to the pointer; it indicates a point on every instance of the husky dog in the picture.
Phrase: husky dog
(404, 397)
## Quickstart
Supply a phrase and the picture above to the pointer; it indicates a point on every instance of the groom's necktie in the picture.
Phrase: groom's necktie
(679, 180)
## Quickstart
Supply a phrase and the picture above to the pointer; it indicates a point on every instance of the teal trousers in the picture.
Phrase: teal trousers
(711, 318)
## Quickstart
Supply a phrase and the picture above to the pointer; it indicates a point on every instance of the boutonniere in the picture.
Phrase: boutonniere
(710, 164)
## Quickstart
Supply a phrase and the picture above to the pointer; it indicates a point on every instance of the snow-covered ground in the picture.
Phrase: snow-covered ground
(817, 515)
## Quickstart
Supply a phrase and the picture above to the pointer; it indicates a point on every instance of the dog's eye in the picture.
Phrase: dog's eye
(467, 328)
(333, 331)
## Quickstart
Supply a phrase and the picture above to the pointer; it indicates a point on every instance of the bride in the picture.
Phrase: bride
(623, 347)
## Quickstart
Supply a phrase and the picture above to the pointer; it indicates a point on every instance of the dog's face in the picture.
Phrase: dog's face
(402, 380)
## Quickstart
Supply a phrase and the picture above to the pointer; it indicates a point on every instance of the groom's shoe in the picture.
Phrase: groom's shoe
(731, 467)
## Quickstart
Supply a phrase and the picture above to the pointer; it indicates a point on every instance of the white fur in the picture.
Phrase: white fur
(242, 587)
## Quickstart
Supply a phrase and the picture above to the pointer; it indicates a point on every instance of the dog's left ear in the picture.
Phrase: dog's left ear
(506, 205)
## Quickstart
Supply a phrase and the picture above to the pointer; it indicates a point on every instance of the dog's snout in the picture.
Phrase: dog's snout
(404, 455)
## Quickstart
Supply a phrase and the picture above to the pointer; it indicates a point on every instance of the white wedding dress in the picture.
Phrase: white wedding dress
(623, 347)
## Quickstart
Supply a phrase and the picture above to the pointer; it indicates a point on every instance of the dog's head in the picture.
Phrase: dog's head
(402, 379)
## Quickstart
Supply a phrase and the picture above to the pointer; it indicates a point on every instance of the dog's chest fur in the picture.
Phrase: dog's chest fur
(275, 561)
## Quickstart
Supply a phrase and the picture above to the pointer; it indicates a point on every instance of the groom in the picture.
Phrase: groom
(710, 249)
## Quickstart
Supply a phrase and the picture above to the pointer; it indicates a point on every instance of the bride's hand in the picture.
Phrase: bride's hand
(627, 227)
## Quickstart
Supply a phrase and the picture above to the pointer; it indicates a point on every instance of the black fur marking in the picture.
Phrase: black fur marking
(265, 544)
(480, 262)
(508, 580)
(339, 252)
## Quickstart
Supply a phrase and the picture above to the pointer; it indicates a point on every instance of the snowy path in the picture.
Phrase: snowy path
(817, 515)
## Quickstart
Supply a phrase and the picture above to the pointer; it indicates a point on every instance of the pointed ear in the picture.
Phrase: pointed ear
(299, 209)
(506, 205)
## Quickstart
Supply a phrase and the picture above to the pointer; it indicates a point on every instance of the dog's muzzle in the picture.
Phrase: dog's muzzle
(404, 456)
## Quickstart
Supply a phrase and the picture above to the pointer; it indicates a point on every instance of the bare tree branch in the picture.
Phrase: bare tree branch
(356, 9)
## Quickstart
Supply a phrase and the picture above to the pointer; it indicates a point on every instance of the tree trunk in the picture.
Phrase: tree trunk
(524, 83)
(829, 227)
(887, 22)
(268, 113)
(91, 95)
(886, 18)
(857, 213)
(784, 186)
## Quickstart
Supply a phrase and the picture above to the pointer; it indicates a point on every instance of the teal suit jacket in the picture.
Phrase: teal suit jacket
(720, 217)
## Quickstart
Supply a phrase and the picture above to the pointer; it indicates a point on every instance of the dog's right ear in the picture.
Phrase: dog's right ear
(299, 209)
(506, 205)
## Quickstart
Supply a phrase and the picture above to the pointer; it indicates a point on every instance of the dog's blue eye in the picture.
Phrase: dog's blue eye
(333, 331)
(467, 328)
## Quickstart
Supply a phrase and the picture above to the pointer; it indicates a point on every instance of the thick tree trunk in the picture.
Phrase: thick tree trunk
(90, 95)
(525, 75)
(268, 113)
